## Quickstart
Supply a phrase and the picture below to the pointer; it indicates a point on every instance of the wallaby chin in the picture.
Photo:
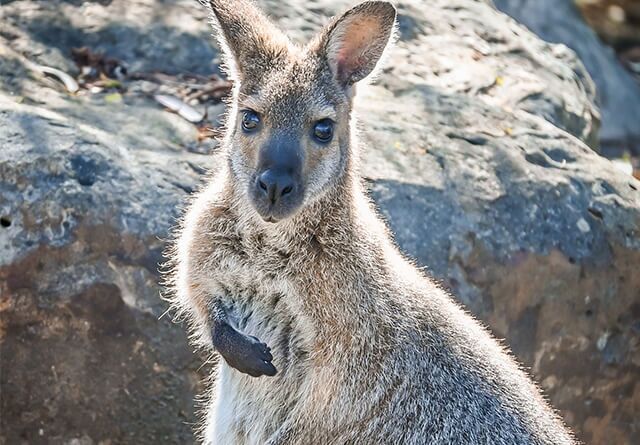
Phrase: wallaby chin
(305, 217)
(326, 333)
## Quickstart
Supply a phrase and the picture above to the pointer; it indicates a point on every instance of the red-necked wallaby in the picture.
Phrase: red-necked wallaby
(328, 335)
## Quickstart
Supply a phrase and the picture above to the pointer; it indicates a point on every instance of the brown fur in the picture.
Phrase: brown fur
(368, 349)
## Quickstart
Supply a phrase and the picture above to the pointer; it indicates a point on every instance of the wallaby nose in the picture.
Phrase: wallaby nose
(274, 185)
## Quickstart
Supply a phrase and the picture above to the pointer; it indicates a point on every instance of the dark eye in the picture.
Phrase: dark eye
(250, 121)
(323, 130)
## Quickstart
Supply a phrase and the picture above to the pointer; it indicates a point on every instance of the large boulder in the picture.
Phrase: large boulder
(478, 150)
(560, 21)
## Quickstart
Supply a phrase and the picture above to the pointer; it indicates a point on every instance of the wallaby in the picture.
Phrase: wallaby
(283, 267)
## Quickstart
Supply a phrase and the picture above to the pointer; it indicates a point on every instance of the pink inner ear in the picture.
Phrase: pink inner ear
(348, 63)
(356, 40)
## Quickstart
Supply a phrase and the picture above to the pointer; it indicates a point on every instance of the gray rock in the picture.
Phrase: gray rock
(477, 148)
(618, 93)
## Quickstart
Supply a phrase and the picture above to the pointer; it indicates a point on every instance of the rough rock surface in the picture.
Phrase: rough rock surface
(618, 93)
(476, 150)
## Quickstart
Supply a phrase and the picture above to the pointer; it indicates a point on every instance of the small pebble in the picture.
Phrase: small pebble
(602, 341)
(583, 225)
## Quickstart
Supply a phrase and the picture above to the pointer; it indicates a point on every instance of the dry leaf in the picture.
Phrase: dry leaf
(176, 105)
(69, 82)
(113, 98)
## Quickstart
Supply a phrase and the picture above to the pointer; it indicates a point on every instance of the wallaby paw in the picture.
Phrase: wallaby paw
(246, 354)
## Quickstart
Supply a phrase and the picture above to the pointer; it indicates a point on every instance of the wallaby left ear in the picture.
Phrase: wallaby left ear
(354, 42)
(250, 42)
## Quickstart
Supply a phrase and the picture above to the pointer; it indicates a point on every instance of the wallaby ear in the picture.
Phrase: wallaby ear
(354, 42)
(250, 42)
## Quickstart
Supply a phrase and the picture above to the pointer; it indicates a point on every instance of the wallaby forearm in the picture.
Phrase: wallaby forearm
(218, 316)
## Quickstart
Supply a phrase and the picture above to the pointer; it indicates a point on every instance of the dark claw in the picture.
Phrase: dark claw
(269, 369)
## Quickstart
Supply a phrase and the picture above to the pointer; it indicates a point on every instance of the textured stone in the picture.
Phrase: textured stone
(618, 93)
(477, 146)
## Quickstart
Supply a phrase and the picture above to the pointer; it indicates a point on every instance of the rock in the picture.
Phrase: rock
(618, 93)
(83, 352)
(478, 145)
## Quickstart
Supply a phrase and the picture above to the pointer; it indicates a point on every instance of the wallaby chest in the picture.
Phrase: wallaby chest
(255, 281)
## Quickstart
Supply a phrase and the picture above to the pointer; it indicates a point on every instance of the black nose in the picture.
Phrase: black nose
(274, 185)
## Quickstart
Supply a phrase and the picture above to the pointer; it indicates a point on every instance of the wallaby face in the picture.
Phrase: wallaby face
(289, 127)
(287, 140)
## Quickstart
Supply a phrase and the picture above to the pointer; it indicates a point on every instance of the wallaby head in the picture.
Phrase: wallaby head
(289, 127)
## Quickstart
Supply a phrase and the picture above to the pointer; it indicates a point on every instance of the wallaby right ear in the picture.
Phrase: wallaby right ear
(354, 43)
(249, 41)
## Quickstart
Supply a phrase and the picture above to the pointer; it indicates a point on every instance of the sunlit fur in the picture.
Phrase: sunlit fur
(368, 349)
